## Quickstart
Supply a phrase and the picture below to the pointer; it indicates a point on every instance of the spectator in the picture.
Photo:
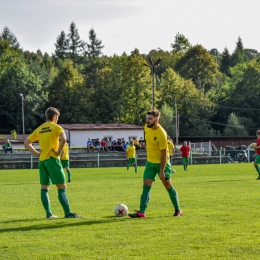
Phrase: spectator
(120, 145)
(90, 145)
(103, 145)
(123, 141)
(126, 145)
(8, 146)
(108, 144)
(142, 143)
(97, 144)
(136, 144)
(114, 145)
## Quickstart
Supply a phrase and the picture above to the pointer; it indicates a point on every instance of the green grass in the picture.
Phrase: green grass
(220, 219)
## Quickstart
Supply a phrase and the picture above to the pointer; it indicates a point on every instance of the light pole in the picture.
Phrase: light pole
(176, 121)
(152, 66)
(21, 95)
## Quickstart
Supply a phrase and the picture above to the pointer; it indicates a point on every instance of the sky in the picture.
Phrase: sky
(123, 25)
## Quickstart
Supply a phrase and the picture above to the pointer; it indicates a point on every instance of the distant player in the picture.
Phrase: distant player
(185, 153)
(257, 158)
(48, 134)
(131, 156)
(170, 149)
(65, 160)
(157, 164)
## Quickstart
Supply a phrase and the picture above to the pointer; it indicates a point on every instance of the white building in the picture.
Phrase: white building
(78, 134)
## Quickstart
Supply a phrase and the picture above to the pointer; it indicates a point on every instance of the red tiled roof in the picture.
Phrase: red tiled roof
(98, 126)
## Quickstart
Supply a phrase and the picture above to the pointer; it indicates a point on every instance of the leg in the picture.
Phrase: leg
(46, 200)
(171, 191)
(69, 174)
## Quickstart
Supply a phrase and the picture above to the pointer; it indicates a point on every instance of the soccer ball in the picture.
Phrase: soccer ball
(252, 144)
(121, 210)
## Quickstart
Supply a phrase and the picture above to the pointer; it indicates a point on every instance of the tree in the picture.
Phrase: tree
(181, 44)
(225, 62)
(61, 46)
(8, 35)
(76, 47)
(95, 47)
(234, 127)
(16, 78)
(238, 56)
(197, 64)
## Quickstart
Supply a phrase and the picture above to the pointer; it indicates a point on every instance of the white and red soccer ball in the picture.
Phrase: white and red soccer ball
(121, 210)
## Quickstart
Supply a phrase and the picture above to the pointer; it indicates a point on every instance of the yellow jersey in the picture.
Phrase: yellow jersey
(170, 147)
(65, 155)
(156, 140)
(130, 151)
(48, 136)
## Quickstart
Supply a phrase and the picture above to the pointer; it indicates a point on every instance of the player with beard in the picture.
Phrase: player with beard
(157, 163)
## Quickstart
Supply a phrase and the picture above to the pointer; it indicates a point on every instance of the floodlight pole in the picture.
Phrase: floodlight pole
(152, 67)
(21, 95)
(176, 120)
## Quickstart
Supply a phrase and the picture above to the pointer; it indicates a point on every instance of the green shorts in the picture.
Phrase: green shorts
(152, 169)
(65, 163)
(132, 160)
(51, 171)
(257, 159)
(185, 159)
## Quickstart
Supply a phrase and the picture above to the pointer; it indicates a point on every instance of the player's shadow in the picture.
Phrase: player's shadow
(56, 223)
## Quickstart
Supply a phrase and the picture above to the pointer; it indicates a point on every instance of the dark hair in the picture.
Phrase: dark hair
(155, 113)
(51, 112)
(258, 132)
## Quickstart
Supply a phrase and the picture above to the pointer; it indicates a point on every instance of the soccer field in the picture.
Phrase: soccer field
(220, 205)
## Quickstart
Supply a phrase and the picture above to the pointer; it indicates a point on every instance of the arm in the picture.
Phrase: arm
(162, 164)
(29, 146)
(61, 145)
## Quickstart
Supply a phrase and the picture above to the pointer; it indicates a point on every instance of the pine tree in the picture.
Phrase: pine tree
(238, 55)
(95, 46)
(76, 47)
(61, 46)
(8, 35)
(225, 62)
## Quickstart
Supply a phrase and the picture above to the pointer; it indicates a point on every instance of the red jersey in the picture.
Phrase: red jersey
(258, 143)
(185, 151)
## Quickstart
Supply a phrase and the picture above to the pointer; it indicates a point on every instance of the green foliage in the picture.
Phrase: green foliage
(94, 49)
(13, 134)
(234, 126)
(203, 232)
(238, 55)
(7, 35)
(197, 64)
(167, 120)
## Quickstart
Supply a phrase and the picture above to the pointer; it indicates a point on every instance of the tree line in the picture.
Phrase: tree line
(215, 93)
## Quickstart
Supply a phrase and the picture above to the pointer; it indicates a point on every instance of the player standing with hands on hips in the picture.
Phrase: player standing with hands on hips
(185, 154)
(157, 163)
(50, 168)
(257, 158)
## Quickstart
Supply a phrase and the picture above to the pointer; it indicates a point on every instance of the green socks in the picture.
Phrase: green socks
(68, 172)
(145, 198)
(174, 198)
(64, 201)
(46, 202)
(135, 168)
(257, 169)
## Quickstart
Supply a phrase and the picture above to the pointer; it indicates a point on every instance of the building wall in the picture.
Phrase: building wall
(79, 138)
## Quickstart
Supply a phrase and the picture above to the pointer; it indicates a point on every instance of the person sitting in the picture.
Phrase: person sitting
(114, 145)
(136, 144)
(125, 145)
(90, 145)
(108, 144)
(120, 145)
(142, 143)
(8, 146)
(97, 144)
(103, 145)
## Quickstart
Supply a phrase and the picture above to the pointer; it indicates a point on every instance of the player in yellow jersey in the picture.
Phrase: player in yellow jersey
(50, 168)
(65, 160)
(157, 163)
(131, 156)
(170, 150)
